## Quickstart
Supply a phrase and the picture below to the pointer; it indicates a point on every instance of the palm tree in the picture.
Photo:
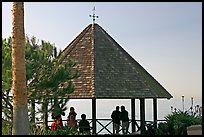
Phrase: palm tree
(19, 91)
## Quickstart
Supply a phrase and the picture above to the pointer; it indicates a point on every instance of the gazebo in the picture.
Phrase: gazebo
(109, 72)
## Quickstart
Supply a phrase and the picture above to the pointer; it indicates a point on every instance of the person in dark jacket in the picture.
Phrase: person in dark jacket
(116, 120)
(84, 125)
(125, 120)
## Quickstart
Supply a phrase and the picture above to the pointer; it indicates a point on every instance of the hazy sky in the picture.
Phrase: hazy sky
(165, 38)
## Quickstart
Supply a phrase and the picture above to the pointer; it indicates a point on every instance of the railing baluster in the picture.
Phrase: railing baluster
(104, 127)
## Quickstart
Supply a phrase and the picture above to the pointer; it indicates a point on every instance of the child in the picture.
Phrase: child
(56, 123)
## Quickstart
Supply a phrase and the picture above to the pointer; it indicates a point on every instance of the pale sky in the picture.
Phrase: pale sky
(164, 37)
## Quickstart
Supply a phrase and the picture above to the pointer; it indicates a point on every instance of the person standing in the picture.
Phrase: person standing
(125, 120)
(71, 113)
(116, 120)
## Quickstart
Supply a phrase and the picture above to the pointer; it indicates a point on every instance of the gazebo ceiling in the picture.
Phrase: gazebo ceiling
(107, 70)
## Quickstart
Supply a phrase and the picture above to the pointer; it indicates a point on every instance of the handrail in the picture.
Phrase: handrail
(104, 126)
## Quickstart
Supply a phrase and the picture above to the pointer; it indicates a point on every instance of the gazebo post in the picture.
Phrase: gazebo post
(142, 115)
(94, 115)
(155, 112)
(33, 110)
(133, 114)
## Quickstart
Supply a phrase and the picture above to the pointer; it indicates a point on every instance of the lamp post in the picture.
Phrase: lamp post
(183, 102)
(171, 108)
(191, 105)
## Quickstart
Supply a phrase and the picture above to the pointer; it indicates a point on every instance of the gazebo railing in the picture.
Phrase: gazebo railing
(109, 130)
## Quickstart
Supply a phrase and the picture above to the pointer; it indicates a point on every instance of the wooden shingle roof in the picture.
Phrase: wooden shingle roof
(107, 70)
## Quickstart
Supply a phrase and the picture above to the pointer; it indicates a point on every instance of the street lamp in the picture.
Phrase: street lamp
(183, 102)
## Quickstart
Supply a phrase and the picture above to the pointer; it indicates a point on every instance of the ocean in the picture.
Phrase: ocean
(104, 108)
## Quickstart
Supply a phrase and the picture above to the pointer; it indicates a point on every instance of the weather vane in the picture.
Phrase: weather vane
(93, 15)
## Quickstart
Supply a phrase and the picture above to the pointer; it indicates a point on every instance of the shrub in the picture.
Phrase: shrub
(64, 131)
(6, 127)
(162, 129)
(177, 123)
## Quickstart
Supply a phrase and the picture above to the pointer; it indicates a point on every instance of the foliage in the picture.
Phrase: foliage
(150, 128)
(34, 57)
(177, 123)
(6, 127)
(53, 82)
(43, 73)
(64, 131)
(6, 64)
(7, 107)
(162, 129)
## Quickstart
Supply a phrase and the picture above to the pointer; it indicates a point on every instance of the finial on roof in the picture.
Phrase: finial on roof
(93, 16)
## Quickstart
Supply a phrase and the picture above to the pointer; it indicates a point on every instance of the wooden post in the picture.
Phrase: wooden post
(155, 112)
(33, 111)
(45, 113)
(94, 115)
(142, 115)
(133, 114)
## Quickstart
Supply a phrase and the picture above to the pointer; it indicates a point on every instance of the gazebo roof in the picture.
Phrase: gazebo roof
(107, 70)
